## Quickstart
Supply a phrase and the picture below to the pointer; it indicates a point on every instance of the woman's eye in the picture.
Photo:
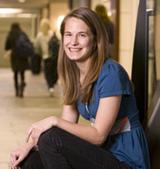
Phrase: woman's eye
(82, 35)
(67, 34)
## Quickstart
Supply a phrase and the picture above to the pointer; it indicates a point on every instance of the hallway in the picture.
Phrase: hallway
(16, 114)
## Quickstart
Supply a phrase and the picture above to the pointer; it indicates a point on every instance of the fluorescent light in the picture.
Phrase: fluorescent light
(10, 11)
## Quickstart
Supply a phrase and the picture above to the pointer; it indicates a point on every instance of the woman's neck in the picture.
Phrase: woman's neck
(83, 67)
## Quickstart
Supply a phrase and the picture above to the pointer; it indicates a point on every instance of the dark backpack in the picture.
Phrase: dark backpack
(24, 47)
(53, 46)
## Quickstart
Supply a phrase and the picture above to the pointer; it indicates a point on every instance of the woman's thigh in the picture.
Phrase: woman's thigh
(77, 152)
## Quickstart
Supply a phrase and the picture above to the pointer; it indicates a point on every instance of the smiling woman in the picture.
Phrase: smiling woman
(97, 88)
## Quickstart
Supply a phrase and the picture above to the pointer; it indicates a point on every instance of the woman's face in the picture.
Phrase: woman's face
(77, 40)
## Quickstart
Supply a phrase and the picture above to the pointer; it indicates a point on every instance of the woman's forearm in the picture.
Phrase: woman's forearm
(86, 132)
(31, 143)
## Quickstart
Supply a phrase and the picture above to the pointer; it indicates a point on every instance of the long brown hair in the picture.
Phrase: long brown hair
(69, 72)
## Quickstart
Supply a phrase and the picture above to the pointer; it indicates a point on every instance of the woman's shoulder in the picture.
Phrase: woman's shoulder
(113, 79)
(113, 71)
(111, 66)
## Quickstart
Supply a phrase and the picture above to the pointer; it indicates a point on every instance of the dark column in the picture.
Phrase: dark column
(140, 62)
(86, 3)
(70, 4)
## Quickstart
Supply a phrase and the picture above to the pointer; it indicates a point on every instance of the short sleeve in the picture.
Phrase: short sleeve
(114, 81)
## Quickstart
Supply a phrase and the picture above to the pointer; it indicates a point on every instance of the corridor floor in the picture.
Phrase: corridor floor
(17, 114)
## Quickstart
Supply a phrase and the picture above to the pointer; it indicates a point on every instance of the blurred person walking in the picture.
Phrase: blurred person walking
(53, 46)
(42, 48)
(21, 48)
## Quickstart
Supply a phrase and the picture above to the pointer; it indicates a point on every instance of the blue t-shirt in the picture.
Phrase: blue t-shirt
(129, 146)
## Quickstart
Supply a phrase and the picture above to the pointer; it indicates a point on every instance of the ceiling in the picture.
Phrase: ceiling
(34, 4)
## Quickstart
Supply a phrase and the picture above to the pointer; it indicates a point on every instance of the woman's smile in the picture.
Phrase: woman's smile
(74, 49)
(77, 40)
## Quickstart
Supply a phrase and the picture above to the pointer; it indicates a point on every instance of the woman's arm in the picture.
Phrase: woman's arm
(34, 132)
(96, 133)
(69, 113)
(18, 155)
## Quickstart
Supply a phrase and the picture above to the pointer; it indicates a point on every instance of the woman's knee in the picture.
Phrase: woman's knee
(50, 138)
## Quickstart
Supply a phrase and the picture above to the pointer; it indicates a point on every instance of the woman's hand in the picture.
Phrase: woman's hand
(39, 127)
(19, 154)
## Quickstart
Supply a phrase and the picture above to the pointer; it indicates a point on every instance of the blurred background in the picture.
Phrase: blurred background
(136, 46)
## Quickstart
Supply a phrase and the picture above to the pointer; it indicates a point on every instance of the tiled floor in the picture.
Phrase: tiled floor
(17, 114)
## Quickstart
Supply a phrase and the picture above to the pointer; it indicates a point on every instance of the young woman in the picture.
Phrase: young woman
(97, 88)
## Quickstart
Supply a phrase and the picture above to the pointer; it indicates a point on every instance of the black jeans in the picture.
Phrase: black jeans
(19, 77)
(19, 82)
(59, 149)
(50, 72)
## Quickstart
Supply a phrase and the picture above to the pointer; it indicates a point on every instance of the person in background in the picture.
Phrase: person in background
(97, 88)
(41, 45)
(102, 13)
(19, 64)
(53, 46)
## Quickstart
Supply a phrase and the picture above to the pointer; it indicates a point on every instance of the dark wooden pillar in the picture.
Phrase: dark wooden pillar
(140, 62)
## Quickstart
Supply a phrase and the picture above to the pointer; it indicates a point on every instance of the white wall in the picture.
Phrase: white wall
(128, 16)
(57, 10)
(157, 52)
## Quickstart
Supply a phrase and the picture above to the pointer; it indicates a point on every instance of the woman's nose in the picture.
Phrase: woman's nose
(74, 40)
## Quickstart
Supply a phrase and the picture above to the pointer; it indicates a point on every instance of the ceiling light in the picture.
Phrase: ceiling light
(22, 1)
(10, 10)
